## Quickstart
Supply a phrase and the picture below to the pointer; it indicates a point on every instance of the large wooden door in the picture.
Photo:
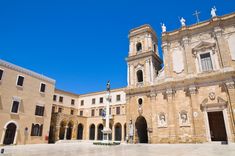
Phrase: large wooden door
(217, 126)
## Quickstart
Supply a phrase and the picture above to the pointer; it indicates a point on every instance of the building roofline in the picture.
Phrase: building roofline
(147, 27)
(26, 71)
(65, 92)
(102, 92)
(199, 25)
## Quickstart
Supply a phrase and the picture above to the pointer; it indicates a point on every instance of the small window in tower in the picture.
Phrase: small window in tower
(139, 47)
(140, 76)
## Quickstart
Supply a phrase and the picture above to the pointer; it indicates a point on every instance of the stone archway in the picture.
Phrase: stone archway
(92, 132)
(62, 129)
(99, 132)
(141, 126)
(80, 132)
(10, 134)
(69, 130)
(118, 132)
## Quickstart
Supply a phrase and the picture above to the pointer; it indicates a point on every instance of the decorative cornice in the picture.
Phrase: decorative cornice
(26, 71)
(146, 28)
(218, 31)
(185, 40)
(170, 92)
(144, 55)
(195, 28)
(203, 46)
(230, 85)
(192, 90)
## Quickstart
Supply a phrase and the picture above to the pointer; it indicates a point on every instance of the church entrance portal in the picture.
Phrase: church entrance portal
(141, 126)
(217, 126)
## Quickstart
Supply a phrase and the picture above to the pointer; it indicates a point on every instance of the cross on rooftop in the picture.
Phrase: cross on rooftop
(197, 15)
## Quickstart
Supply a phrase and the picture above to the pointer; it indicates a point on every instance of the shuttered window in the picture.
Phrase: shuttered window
(206, 62)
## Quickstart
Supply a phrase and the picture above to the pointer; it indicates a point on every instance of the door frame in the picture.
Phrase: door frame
(4, 132)
(226, 122)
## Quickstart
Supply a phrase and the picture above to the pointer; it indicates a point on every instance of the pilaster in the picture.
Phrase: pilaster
(189, 64)
(230, 86)
(222, 45)
(151, 129)
(167, 60)
(172, 116)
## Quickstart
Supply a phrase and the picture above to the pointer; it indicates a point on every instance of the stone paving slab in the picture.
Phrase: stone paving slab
(88, 149)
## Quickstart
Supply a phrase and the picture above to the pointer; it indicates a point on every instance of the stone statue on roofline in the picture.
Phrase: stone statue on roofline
(163, 27)
(213, 12)
(182, 21)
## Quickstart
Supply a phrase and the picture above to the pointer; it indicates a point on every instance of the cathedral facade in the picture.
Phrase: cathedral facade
(186, 97)
(190, 99)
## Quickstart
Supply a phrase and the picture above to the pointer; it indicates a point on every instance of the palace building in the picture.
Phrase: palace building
(186, 97)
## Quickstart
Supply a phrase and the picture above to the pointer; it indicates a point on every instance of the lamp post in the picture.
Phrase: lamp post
(106, 130)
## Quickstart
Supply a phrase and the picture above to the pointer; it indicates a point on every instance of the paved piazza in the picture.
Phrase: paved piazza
(87, 149)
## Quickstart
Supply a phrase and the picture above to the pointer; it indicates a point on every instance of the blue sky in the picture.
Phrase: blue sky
(83, 43)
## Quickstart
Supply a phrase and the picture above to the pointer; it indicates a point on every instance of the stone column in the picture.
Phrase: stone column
(131, 79)
(147, 74)
(123, 137)
(222, 46)
(189, 63)
(72, 133)
(128, 74)
(152, 117)
(113, 132)
(230, 86)
(96, 132)
(172, 116)
(16, 136)
(65, 132)
(197, 116)
(57, 132)
(167, 60)
(151, 72)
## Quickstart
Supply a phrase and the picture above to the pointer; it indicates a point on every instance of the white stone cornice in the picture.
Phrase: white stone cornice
(185, 40)
(164, 45)
(26, 71)
(192, 90)
(230, 85)
(170, 92)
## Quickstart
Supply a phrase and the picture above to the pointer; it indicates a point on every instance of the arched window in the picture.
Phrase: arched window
(139, 76)
(139, 47)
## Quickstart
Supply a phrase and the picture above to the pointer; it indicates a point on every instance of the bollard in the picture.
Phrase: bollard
(2, 150)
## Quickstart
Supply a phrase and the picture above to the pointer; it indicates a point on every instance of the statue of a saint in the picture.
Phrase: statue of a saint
(213, 12)
(108, 86)
(163, 27)
(182, 21)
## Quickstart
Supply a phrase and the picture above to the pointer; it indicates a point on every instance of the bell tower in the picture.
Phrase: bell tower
(143, 59)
